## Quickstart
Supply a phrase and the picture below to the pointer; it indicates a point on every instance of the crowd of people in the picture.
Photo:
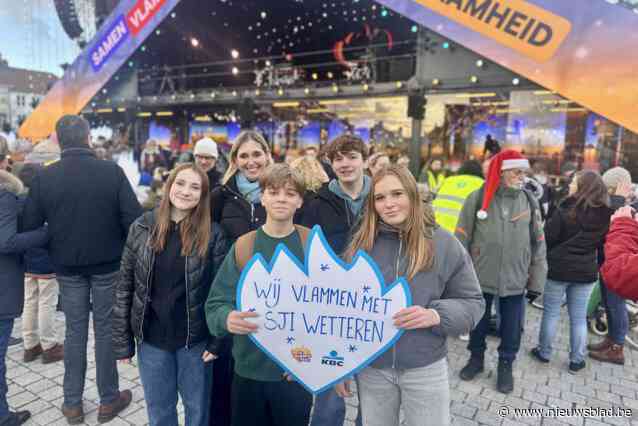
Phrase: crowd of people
(160, 277)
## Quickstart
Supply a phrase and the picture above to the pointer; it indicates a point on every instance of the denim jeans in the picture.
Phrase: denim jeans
(577, 298)
(76, 294)
(617, 315)
(165, 374)
(423, 393)
(330, 409)
(511, 311)
(5, 332)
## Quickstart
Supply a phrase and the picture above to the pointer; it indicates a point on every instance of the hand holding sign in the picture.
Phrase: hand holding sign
(321, 321)
(236, 324)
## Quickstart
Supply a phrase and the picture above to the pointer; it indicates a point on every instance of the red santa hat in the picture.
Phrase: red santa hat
(505, 160)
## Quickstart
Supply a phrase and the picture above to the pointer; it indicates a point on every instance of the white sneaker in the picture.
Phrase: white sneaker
(464, 337)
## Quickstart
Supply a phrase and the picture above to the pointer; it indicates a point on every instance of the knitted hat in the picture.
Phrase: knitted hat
(615, 176)
(505, 160)
(206, 146)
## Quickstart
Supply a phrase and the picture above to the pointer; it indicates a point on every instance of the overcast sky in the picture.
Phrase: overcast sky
(32, 37)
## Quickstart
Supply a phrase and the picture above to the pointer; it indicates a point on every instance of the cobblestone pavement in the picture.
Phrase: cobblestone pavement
(38, 387)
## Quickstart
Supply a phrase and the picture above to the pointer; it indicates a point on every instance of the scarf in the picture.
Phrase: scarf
(250, 190)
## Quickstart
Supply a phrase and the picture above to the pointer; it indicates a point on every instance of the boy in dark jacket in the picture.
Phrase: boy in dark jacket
(337, 208)
(262, 393)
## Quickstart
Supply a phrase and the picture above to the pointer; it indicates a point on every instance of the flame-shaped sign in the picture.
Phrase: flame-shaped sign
(322, 320)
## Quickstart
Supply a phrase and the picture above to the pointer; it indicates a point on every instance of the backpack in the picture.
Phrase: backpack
(532, 208)
(246, 244)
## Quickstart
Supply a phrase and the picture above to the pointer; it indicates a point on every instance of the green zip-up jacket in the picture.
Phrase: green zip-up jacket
(506, 257)
(250, 361)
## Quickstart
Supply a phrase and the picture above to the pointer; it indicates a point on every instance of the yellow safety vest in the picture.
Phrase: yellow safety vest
(435, 183)
(451, 197)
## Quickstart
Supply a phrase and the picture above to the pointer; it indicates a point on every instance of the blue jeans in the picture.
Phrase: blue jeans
(617, 316)
(330, 410)
(577, 298)
(165, 374)
(5, 332)
(76, 295)
(511, 328)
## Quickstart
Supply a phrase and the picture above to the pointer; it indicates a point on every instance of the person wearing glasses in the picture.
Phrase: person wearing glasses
(501, 227)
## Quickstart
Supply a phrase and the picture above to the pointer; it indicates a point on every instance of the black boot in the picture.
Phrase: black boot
(474, 366)
(504, 378)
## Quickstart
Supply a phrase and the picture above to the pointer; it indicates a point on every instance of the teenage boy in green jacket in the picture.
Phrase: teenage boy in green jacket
(261, 393)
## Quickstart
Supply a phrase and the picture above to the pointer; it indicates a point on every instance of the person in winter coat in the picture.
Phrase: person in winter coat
(170, 260)
(573, 234)
(206, 155)
(621, 251)
(399, 232)
(263, 394)
(611, 349)
(12, 245)
(89, 206)
(500, 225)
(337, 208)
(236, 206)
(41, 291)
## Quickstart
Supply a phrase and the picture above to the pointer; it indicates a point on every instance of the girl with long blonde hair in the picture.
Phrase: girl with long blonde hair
(399, 232)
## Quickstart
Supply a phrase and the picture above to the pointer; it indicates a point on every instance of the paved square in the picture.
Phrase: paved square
(38, 387)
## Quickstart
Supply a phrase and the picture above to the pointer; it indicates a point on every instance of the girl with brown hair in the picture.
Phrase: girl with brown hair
(573, 234)
(399, 232)
(170, 259)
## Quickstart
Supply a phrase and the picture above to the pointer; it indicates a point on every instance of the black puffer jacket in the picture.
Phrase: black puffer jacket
(572, 244)
(233, 212)
(133, 290)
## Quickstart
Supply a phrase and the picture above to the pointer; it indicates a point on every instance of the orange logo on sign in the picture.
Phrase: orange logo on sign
(517, 24)
(301, 354)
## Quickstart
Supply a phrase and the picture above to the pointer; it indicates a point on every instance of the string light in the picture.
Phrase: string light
(436, 82)
(474, 79)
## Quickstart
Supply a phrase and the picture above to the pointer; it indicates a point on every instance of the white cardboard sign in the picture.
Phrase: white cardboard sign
(324, 320)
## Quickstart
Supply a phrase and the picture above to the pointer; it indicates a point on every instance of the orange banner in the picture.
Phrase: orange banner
(517, 24)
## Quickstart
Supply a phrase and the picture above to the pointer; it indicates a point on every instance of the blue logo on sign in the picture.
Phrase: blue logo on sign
(109, 43)
(333, 359)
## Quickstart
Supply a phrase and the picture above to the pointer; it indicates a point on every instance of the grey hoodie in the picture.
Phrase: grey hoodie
(450, 287)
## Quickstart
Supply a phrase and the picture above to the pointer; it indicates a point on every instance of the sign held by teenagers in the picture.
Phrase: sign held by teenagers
(322, 320)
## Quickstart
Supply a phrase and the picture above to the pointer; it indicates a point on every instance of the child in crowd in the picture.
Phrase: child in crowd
(261, 393)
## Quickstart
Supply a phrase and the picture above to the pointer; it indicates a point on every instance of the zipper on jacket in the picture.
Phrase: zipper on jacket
(188, 315)
(345, 203)
(148, 291)
(396, 277)
(252, 212)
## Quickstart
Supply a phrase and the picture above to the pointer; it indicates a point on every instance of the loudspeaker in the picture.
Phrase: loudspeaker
(416, 106)
(246, 112)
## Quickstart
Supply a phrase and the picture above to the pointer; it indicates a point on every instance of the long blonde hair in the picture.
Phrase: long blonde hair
(417, 231)
(243, 138)
(195, 228)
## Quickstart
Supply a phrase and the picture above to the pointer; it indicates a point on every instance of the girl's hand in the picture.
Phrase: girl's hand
(208, 357)
(416, 317)
(343, 389)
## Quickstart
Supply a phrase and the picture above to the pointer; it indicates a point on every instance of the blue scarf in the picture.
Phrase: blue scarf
(250, 190)
(356, 205)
